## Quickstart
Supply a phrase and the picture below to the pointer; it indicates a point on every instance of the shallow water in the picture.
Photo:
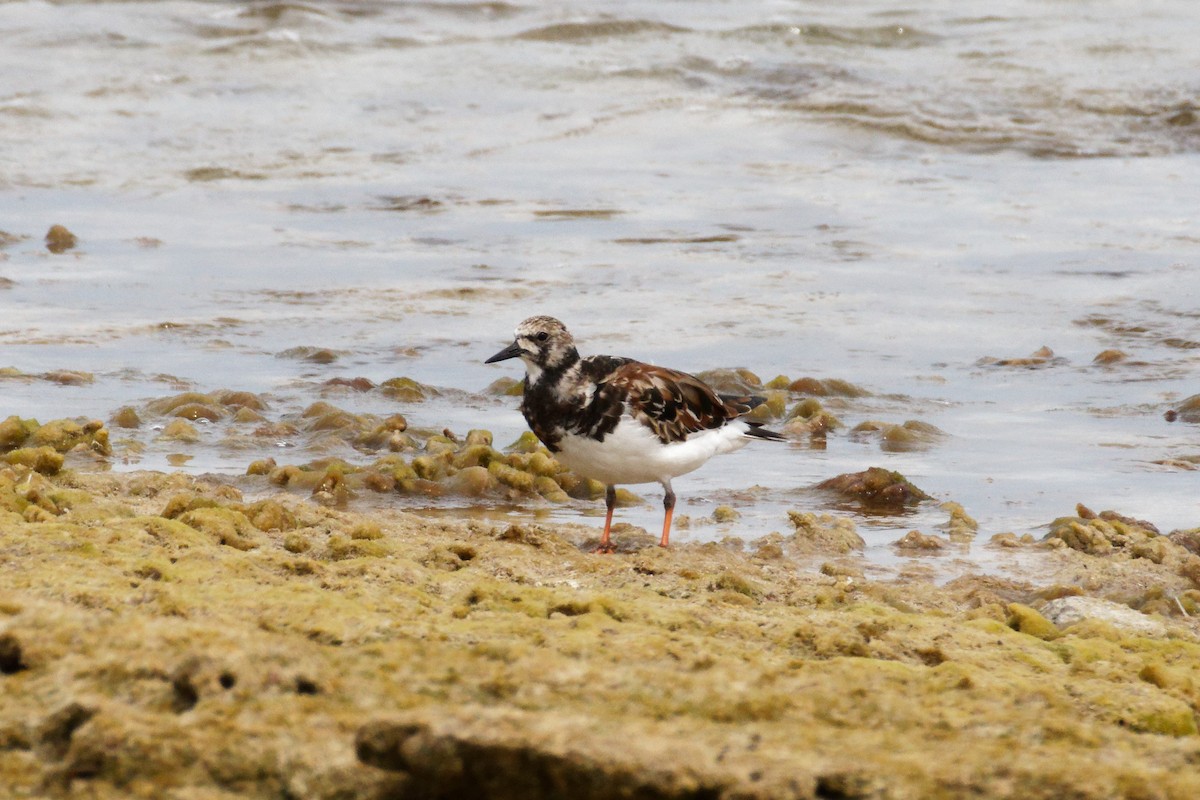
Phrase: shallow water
(883, 195)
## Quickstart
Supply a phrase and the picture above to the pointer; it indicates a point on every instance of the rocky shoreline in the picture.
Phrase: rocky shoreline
(168, 636)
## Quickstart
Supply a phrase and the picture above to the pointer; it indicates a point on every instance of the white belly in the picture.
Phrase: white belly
(633, 454)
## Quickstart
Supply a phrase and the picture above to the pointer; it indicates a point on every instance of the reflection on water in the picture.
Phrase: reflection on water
(267, 196)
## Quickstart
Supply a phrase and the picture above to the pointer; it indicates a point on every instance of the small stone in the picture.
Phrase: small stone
(725, 514)
(59, 239)
(1069, 610)
(180, 431)
(915, 540)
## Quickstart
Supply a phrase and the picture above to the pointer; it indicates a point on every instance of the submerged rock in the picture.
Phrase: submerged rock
(826, 387)
(808, 417)
(915, 540)
(877, 489)
(59, 239)
(1187, 411)
(1042, 357)
(908, 436)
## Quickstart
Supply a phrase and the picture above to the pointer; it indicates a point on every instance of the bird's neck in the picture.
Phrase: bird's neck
(551, 378)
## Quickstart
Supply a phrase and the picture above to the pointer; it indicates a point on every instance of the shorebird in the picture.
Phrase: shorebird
(621, 421)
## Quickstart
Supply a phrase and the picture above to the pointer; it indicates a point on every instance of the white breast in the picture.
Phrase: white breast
(633, 454)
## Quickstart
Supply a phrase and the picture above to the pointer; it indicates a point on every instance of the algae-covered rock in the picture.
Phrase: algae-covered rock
(269, 515)
(126, 417)
(315, 355)
(725, 514)
(166, 405)
(45, 460)
(1040, 358)
(1188, 539)
(824, 533)
(195, 411)
(59, 239)
(407, 390)
(505, 387)
(241, 399)
(263, 466)
(66, 434)
(738, 380)
(14, 431)
(809, 417)
(961, 526)
(1188, 410)
(826, 387)
(549, 489)
(527, 442)
(473, 481)
(915, 540)
(179, 430)
(1027, 620)
(1109, 357)
(877, 489)
(906, 437)
(479, 437)
(773, 406)
(229, 527)
(509, 476)
(1108, 532)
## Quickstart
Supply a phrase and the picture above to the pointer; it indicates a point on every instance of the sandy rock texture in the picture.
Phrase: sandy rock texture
(167, 637)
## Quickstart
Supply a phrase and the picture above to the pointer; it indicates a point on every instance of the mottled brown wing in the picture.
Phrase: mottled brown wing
(674, 404)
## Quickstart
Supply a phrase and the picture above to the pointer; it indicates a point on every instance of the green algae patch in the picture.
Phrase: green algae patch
(187, 641)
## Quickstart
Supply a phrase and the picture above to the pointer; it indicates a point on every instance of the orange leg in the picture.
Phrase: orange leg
(610, 502)
(669, 506)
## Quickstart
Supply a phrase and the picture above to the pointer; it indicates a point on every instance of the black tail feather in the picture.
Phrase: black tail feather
(759, 432)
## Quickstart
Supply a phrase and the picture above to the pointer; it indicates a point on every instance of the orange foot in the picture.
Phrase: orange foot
(605, 547)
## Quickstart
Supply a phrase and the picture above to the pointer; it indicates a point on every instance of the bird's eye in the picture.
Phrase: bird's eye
(542, 336)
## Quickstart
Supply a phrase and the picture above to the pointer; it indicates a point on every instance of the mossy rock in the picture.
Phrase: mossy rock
(827, 387)
(877, 489)
(164, 406)
(65, 434)
(407, 390)
(179, 430)
(473, 481)
(737, 380)
(45, 460)
(509, 476)
(228, 527)
(527, 442)
(14, 431)
(1027, 620)
(1108, 532)
(824, 533)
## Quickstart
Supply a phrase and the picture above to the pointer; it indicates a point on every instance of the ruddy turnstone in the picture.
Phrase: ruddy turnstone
(623, 421)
